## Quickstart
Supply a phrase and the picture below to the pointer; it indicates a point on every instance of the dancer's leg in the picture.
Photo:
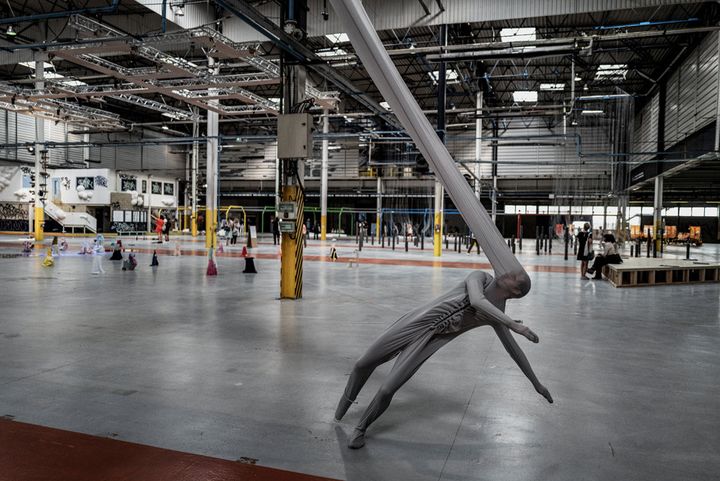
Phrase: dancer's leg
(405, 367)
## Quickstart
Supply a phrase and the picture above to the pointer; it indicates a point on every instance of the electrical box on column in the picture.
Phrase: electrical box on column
(294, 147)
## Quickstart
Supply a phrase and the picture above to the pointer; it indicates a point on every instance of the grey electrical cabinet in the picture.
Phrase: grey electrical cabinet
(295, 136)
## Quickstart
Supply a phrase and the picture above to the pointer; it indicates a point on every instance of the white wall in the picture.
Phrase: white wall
(7, 192)
(68, 186)
(155, 200)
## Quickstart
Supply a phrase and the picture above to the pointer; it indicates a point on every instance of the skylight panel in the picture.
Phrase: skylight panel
(332, 52)
(451, 76)
(611, 71)
(519, 34)
(551, 86)
(338, 38)
(525, 96)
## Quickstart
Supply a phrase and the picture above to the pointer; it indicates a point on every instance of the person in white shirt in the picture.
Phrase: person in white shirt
(609, 256)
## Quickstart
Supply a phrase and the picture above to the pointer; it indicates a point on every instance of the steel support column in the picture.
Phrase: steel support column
(378, 213)
(441, 102)
(438, 219)
(39, 213)
(657, 212)
(194, 176)
(478, 143)
(324, 176)
(211, 170)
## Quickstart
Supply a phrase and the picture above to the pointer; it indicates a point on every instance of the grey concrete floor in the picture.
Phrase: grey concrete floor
(219, 366)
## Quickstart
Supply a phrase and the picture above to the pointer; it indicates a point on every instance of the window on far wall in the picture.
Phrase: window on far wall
(156, 187)
(144, 186)
(168, 189)
(128, 185)
(87, 182)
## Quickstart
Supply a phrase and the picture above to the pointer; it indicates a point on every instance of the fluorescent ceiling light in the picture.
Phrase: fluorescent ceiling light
(385, 105)
(525, 96)
(552, 86)
(333, 52)
(31, 65)
(451, 76)
(592, 112)
(578, 79)
(612, 70)
(165, 127)
(338, 38)
(10, 32)
(519, 34)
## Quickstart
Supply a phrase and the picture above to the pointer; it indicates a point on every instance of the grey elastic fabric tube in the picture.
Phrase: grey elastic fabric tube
(391, 85)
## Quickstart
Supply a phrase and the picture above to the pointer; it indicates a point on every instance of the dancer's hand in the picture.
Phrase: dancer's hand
(520, 328)
(542, 390)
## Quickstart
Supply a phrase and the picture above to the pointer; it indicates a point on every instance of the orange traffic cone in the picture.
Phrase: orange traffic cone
(212, 267)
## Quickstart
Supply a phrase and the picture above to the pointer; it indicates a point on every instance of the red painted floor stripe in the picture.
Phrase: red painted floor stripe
(362, 260)
(36, 453)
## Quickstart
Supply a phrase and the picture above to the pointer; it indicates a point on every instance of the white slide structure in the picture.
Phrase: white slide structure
(391, 85)
(74, 220)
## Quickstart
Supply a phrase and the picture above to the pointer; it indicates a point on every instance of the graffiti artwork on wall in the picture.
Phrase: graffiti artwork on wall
(65, 182)
(87, 182)
(101, 181)
(13, 217)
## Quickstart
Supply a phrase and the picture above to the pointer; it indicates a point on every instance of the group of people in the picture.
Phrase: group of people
(586, 253)
(163, 226)
(230, 229)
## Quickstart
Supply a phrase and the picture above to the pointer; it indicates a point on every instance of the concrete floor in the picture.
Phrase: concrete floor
(219, 366)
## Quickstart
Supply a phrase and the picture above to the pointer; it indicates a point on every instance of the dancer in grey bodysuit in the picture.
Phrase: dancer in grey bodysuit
(478, 301)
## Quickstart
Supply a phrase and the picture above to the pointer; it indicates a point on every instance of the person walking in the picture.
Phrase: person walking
(275, 229)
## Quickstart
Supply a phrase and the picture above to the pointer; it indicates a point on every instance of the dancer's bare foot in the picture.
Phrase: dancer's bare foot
(357, 440)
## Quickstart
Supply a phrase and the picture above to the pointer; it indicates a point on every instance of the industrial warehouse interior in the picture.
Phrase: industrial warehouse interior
(423, 240)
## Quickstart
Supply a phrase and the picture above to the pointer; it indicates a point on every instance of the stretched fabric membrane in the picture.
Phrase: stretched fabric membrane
(391, 85)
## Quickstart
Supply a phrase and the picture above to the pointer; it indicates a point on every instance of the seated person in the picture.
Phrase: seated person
(609, 256)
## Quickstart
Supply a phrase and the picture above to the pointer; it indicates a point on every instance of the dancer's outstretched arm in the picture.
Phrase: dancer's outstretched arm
(481, 304)
(519, 357)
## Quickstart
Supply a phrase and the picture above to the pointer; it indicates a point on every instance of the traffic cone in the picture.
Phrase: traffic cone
(211, 268)
(154, 262)
(244, 252)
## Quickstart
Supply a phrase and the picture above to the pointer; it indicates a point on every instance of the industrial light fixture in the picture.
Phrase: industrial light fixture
(165, 127)
(10, 32)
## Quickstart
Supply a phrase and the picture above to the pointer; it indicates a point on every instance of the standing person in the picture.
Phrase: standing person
(275, 229)
(159, 223)
(98, 252)
(584, 249)
(304, 234)
(316, 231)
(235, 231)
(473, 242)
(167, 226)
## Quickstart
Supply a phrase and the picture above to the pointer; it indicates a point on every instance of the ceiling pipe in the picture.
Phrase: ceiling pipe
(646, 24)
(578, 40)
(303, 54)
(65, 13)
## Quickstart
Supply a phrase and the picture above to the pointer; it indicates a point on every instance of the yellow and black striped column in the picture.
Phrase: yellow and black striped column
(291, 248)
